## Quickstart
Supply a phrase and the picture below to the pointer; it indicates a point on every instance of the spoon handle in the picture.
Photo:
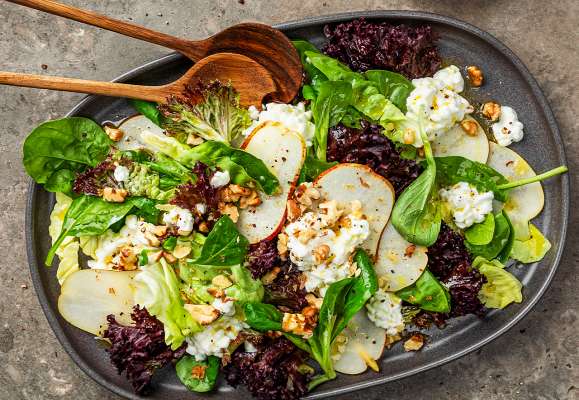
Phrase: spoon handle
(150, 93)
(195, 50)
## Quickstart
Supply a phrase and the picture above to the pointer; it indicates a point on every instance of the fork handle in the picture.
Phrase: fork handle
(195, 50)
(150, 93)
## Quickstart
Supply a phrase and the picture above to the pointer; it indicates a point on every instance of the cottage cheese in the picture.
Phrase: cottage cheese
(385, 311)
(295, 118)
(342, 242)
(181, 218)
(436, 100)
(215, 338)
(508, 128)
(467, 205)
(121, 173)
(225, 307)
(219, 179)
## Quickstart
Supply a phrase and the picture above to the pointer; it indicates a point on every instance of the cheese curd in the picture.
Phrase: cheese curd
(384, 309)
(215, 338)
(219, 179)
(315, 230)
(436, 100)
(225, 307)
(295, 118)
(121, 173)
(181, 218)
(467, 205)
(508, 128)
(134, 237)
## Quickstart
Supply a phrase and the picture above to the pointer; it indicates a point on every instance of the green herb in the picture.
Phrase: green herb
(532, 249)
(217, 116)
(392, 85)
(427, 293)
(198, 376)
(170, 243)
(143, 258)
(454, 169)
(416, 216)
(244, 169)
(149, 110)
(223, 247)
(501, 287)
(88, 216)
(329, 107)
(56, 150)
(502, 236)
(481, 233)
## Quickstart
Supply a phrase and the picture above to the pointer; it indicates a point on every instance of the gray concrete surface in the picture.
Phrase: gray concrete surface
(535, 360)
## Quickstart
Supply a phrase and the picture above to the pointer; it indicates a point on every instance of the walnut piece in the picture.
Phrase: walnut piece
(202, 313)
(229, 209)
(414, 343)
(126, 260)
(113, 195)
(491, 110)
(270, 276)
(332, 211)
(115, 134)
(306, 235)
(305, 194)
(314, 301)
(469, 127)
(296, 323)
(321, 253)
(282, 240)
(475, 75)
(294, 211)
(251, 200)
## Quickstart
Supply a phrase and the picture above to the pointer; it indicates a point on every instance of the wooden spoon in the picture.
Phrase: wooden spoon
(264, 44)
(248, 77)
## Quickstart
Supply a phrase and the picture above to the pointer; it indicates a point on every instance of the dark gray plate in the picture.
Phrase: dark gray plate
(507, 81)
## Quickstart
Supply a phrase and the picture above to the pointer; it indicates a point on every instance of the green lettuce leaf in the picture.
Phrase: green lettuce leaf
(186, 375)
(532, 249)
(427, 293)
(501, 288)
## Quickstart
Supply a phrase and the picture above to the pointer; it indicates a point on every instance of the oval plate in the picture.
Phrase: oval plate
(507, 81)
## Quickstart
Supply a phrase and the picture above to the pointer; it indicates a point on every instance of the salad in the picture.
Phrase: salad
(278, 247)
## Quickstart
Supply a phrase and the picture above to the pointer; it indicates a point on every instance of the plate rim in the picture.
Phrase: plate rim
(528, 305)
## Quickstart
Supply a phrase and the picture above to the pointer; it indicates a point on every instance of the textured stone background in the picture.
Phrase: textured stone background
(536, 360)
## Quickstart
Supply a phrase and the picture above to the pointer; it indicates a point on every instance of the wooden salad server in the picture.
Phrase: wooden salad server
(260, 42)
(248, 77)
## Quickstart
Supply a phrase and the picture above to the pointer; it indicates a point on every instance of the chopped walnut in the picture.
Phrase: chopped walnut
(414, 343)
(198, 371)
(126, 260)
(314, 301)
(305, 194)
(251, 200)
(194, 140)
(306, 235)
(160, 230)
(114, 133)
(221, 281)
(215, 292)
(491, 110)
(229, 209)
(203, 227)
(469, 127)
(321, 253)
(282, 240)
(293, 210)
(475, 75)
(345, 222)
(296, 323)
(113, 195)
(332, 211)
(152, 239)
(202, 313)
(270, 276)
(169, 257)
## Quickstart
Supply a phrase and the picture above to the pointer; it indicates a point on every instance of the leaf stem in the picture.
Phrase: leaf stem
(545, 175)
(318, 380)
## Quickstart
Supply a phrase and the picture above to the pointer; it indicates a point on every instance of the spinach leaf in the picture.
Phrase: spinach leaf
(167, 166)
(505, 253)
(537, 178)
(145, 208)
(149, 110)
(262, 317)
(198, 376)
(427, 293)
(416, 216)
(88, 216)
(454, 169)
(223, 247)
(481, 233)
(394, 86)
(502, 239)
(314, 75)
(56, 150)
(329, 107)
(363, 287)
(313, 167)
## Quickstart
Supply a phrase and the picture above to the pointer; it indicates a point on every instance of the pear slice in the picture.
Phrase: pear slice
(456, 142)
(399, 263)
(132, 129)
(88, 296)
(364, 345)
(284, 152)
(525, 202)
(347, 182)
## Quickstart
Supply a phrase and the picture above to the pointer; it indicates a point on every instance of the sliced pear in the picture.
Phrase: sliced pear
(399, 263)
(347, 182)
(89, 295)
(364, 345)
(132, 129)
(525, 202)
(456, 142)
(284, 152)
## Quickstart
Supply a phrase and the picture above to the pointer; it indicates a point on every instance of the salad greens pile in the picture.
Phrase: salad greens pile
(154, 209)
